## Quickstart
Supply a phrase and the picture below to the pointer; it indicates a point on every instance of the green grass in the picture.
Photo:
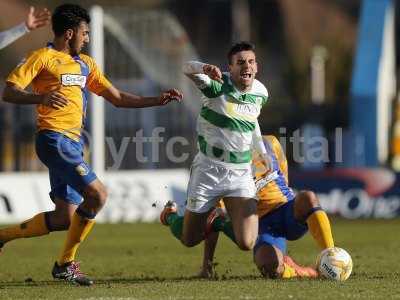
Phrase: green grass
(143, 261)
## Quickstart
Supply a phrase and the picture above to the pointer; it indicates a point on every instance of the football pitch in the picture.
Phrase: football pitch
(144, 261)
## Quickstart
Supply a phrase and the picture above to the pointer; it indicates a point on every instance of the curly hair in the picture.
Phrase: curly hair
(241, 46)
(68, 16)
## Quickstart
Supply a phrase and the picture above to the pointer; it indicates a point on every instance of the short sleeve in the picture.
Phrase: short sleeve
(27, 70)
(96, 81)
(264, 100)
(213, 90)
(261, 92)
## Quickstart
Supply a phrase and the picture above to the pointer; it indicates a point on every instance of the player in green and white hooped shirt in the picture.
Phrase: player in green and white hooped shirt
(227, 127)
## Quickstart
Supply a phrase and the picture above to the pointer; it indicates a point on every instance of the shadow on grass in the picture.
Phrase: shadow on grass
(134, 280)
(29, 283)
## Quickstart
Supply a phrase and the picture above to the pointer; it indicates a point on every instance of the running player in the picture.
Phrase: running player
(226, 126)
(33, 21)
(61, 77)
(282, 216)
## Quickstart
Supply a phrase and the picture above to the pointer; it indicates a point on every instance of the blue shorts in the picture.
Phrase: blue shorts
(69, 174)
(278, 226)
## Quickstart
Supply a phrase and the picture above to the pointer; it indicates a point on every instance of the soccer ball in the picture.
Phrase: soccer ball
(335, 263)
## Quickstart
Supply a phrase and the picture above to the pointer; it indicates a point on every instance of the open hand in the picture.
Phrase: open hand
(54, 100)
(213, 72)
(170, 95)
(37, 19)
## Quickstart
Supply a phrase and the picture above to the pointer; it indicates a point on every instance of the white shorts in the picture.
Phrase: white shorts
(212, 180)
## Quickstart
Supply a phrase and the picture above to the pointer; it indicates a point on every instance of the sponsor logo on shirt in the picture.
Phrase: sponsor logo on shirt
(262, 182)
(248, 111)
(73, 80)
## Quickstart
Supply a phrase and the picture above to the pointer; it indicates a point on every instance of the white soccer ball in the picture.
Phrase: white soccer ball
(335, 263)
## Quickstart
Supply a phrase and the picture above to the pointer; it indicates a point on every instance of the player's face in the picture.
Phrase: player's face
(243, 69)
(79, 39)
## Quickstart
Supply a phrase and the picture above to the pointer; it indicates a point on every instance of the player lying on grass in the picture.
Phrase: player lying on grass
(282, 216)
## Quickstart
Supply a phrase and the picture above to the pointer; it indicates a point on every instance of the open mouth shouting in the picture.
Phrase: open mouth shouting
(246, 75)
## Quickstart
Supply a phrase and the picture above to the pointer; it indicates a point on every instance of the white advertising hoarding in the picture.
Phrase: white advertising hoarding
(133, 195)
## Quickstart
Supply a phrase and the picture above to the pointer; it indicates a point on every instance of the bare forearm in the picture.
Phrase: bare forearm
(16, 95)
(124, 99)
(134, 101)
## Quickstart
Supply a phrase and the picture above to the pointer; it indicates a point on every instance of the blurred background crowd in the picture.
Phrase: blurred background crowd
(306, 52)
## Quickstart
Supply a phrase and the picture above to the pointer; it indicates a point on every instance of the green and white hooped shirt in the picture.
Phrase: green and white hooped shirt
(228, 118)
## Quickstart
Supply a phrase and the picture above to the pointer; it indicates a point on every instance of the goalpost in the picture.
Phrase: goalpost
(141, 52)
(97, 141)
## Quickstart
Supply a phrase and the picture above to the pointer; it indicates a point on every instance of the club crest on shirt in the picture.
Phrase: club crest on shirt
(82, 169)
(73, 80)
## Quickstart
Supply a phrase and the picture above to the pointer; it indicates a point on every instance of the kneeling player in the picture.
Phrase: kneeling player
(282, 216)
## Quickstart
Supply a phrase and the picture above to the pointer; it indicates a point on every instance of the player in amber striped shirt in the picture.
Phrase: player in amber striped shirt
(61, 78)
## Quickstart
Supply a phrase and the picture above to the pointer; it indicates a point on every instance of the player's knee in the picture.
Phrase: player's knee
(245, 244)
(97, 197)
(102, 195)
(59, 221)
(190, 242)
(305, 201)
(308, 199)
(64, 224)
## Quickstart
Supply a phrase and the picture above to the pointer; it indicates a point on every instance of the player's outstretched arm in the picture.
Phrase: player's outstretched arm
(16, 95)
(193, 68)
(33, 21)
(210, 243)
(122, 99)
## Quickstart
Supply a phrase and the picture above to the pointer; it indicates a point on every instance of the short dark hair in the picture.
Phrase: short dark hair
(68, 16)
(241, 46)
